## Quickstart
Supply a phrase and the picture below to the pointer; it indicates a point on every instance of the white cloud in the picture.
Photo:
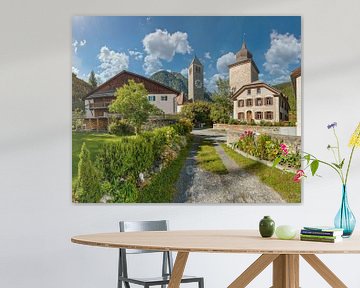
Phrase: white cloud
(75, 70)
(285, 49)
(111, 63)
(207, 55)
(210, 84)
(184, 72)
(76, 44)
(136, 54)
(161, 45)
(151, 64)
(223, 62)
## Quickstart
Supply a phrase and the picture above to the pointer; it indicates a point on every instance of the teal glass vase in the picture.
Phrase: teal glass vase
(345, 219)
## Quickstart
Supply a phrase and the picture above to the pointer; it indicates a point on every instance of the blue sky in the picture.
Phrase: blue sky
(146, 44)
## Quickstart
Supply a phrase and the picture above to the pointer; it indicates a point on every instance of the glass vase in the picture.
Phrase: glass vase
(345, 219)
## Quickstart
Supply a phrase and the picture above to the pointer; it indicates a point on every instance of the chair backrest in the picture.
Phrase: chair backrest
(137, 226)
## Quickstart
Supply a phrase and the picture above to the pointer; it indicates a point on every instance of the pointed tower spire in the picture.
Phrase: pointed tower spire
(244, 43)
(196, 61)
(243, 53)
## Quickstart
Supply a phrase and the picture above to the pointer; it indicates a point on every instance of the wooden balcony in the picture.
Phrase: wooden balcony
(99, 105)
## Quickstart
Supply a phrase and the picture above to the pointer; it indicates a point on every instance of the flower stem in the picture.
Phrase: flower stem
(348, 167)
(340, 159)
(332, 166)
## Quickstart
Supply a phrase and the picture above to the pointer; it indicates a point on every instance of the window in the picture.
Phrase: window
(258, 115)
(164, 98)
(249, 92)
(151, 98)
(197, 69)
(258, 90)
(268, 101)
(268, 115)
(258, 102)
(241, 116)
(281, 116)
(240, 103)
(249, 102)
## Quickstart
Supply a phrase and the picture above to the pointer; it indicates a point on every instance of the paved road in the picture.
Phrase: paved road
(238, 186)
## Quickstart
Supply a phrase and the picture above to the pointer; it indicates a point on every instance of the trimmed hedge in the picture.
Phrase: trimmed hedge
(123, 167)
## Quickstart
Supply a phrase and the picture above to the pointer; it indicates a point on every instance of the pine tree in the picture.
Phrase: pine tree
(87, 187)
(92, 80)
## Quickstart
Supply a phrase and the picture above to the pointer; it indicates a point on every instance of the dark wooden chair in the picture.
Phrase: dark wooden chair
(167, 262)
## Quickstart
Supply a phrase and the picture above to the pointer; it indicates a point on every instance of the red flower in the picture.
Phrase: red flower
(284, 148)
(299, 175)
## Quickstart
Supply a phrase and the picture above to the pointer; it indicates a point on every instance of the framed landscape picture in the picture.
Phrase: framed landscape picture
(177, 109)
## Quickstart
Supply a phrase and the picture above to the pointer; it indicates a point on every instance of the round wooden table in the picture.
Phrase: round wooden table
(284, 254)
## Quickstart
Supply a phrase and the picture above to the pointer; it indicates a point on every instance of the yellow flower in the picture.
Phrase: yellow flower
(355, 138)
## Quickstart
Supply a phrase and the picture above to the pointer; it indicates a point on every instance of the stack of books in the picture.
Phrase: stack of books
(321, 234)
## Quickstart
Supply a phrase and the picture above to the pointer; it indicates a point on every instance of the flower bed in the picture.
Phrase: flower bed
(265, 147)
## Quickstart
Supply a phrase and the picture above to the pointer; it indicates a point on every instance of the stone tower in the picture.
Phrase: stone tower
(196, 80)
(244, 70)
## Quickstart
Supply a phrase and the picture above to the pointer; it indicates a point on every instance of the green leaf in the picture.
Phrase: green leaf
(307, 158)
(314, 166)
(336, 165)
(342, 163)
(276, 161)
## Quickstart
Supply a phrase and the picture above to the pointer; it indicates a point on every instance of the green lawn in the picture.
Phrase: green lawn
(280, 181)
(93, 143)
(209, 160)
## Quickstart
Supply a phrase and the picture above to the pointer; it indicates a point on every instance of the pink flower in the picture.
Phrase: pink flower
(284, 148)
(299, 175)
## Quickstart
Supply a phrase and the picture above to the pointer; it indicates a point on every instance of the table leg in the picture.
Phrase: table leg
(253, 270)
(178, 269)
(324, 271)
(286, 271)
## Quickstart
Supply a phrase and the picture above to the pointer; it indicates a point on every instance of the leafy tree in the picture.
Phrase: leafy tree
(92, 80)
(87, 186)
(132, 104)
(77, 119)
(197, 112)
(222, 106)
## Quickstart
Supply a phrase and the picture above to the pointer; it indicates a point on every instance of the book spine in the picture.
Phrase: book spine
(319, 236)
(319, 233)
(317, 239)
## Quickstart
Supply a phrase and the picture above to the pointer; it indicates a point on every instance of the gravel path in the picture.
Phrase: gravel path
(198, 186)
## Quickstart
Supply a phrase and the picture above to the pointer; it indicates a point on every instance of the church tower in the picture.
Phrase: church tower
(196, 80)
(244, 70)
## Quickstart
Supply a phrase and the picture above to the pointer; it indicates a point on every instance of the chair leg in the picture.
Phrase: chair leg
(201, 283)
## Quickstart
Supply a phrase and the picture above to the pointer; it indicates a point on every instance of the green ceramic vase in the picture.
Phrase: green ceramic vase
(266, 227)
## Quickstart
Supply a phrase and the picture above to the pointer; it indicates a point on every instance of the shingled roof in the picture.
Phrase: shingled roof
(108, 88)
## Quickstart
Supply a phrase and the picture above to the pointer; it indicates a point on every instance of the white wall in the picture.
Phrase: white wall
(37, 217)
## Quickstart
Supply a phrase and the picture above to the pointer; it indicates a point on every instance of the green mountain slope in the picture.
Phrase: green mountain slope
(288, 90)
(79, 89)
(174, 80)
